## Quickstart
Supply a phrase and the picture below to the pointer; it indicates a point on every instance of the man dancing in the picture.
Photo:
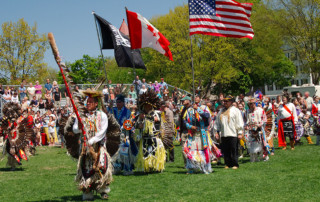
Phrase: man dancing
(94, 164)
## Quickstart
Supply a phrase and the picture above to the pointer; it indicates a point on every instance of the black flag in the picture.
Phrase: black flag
(112, 38)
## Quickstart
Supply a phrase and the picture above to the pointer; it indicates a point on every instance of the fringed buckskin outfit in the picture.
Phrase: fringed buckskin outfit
(94, 164)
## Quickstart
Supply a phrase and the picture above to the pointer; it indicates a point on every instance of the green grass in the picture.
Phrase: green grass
(287, 176)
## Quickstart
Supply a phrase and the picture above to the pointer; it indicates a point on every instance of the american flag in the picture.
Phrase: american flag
(226, 18)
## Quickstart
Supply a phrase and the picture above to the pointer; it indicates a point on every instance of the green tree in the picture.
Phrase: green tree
(299, 21)
(89, 70)
(22, 51)
(234, 65)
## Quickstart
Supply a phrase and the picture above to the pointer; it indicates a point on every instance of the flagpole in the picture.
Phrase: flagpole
(103, 61)
(192, 68)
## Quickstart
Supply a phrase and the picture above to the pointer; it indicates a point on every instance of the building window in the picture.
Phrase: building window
(270, 87)
(304, 81)
(278, 87)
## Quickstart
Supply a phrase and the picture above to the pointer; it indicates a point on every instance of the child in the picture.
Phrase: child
(51, 126)
(37, 129)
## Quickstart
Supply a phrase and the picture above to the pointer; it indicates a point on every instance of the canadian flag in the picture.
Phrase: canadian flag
(143, 34)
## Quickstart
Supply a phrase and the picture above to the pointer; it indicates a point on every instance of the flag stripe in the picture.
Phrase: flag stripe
(226, 18)
(134, 24)
(236, 35)
(210, 21)
(234, 8)
(209, 18)
(232, 11)
(247, 6)
(223, 26)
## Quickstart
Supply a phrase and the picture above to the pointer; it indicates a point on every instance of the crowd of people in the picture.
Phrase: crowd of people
(152, 120)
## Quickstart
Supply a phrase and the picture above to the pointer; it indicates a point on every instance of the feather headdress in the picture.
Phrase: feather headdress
(150, 97)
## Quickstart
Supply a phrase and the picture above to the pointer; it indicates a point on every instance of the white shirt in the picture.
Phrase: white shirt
(309, 101)
(51, 127)
(100, 134)
(15, 99)
(283, 113)
(105, 91)
(229, 127)
(31, 90)
(142, 91)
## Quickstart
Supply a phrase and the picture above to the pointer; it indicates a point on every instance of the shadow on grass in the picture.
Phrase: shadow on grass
(9, 169)
(68, 198)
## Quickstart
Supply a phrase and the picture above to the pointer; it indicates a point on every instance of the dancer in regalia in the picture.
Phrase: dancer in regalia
(94, 164)
(256, 119)
(152, 154)
(18, 133)
(287, 118)
(197, 147)
(269, 128)
(125, 158)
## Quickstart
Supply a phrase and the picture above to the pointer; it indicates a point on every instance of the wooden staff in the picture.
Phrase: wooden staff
(55, 52)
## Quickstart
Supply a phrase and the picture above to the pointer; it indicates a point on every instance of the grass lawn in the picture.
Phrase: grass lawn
(287, 176)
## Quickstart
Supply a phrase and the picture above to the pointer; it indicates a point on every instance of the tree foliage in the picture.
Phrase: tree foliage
(22, 51)
(89, 70)
(234, 65)
(299, 21)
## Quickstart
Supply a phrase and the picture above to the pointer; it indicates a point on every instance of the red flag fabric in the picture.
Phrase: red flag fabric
(124, 28)
(143, 34)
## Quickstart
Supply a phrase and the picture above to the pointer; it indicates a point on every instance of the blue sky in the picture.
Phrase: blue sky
(72, 23)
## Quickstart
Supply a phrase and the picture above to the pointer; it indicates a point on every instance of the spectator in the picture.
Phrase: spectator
(156, 87)
(7, 96)
(308, 100)
(37, 131)
(54, 85)
(150, 86)
(144, 83)
(137, 84)
(51, 130)
(1, 89)
(34, 104)
(31, 91)
(13, 90)
(48, 96)
(175, 94)
(22, 91)
(15, 98)
(143, 90)
(8, 89)
(165, 93)
(25, 104)
(105, 93)
(49, 104)
(38, 88)
(48, 86)
(41, 107)
(132, 93)
(56, 97)
(163, 84)
(111, 90)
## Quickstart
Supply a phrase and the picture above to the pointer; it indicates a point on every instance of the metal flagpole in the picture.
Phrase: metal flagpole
(192, 68)
(103, 61)
(134, 67)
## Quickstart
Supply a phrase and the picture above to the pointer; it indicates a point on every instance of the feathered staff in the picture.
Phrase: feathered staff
(62, 67)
